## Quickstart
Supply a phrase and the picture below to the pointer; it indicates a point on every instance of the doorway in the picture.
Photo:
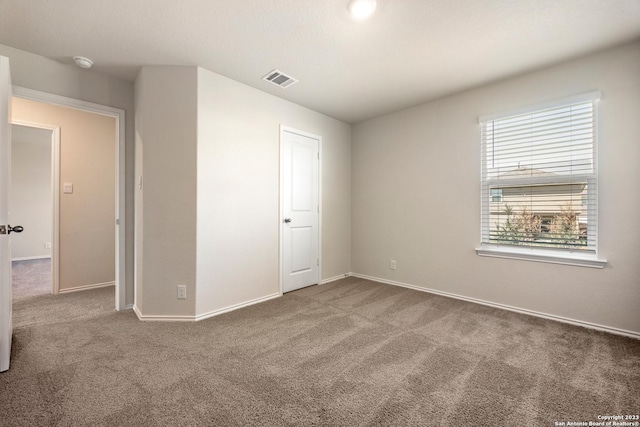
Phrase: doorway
(299, 209)
(34, 201)
(116, 213)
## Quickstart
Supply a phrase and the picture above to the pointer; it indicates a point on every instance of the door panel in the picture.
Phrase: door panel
(300, 210)
(302, 259)
(302, 177)
(5, 245)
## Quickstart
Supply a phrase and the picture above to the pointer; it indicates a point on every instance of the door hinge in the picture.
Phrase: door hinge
(318, 155)
(318, 261)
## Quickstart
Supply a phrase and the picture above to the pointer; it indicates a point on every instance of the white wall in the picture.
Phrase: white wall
(416, 196)
(39, 73)
(238, 191)
(31, 199)
(207, 216)
(166, 223)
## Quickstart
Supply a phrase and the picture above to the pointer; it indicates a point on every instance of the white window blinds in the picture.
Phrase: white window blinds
(539, 177)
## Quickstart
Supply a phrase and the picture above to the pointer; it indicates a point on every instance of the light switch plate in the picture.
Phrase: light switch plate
(68, 188)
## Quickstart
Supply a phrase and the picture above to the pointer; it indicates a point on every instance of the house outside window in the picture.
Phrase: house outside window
(496, 195)
(539, 178)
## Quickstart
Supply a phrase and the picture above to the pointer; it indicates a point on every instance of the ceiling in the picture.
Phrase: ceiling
(409, 52)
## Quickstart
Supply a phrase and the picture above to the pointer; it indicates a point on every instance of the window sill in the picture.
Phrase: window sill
(537, 255)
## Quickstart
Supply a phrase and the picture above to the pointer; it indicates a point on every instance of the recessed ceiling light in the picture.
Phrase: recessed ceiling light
(362, 9)
(83, 62)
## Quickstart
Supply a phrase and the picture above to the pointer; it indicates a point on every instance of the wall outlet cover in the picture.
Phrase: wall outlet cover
(182, 292)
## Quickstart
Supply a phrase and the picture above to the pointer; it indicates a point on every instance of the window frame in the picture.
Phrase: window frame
(581, 257)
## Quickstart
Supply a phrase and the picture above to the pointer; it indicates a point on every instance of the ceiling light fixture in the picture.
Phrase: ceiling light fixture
(83, 62)
(362, 9)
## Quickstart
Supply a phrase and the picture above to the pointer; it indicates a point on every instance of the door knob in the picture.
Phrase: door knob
(287, 220)
(16, 229)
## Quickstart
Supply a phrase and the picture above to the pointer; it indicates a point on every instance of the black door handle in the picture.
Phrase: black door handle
(16, 229)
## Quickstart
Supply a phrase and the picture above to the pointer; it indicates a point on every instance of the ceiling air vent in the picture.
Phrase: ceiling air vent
(280, 79)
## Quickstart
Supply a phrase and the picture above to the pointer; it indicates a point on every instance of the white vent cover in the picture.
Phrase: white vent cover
(279, 78)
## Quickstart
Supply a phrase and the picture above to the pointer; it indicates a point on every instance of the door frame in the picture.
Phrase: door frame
(120, 208)
(55, 195)
(284, 129)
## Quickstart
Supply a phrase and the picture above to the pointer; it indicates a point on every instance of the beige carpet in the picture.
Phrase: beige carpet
(31, 278)
(350, 353)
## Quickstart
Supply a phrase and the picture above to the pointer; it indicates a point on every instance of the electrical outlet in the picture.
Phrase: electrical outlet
(47, 245)
(392, 264)
(182, 292)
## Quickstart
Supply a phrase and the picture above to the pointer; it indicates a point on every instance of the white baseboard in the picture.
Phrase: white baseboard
(128, 307)
(86, 287)
(333, 279)
(236, 306)
(161, 318)
(575, 322)
(31, 258)
(197, 318)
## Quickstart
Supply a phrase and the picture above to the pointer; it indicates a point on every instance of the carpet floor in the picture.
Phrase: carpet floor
(31, 278)
(348, 353)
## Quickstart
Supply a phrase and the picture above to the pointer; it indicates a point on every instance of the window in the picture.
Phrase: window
(539, 179)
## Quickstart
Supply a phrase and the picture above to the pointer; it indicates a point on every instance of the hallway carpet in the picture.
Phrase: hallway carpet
(31, 278)
(349, 353)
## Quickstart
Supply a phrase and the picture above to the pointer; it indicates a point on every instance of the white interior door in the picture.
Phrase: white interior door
(6, 328)
(300, 220)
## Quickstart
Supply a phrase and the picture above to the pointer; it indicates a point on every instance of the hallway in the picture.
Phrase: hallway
(31, 278)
